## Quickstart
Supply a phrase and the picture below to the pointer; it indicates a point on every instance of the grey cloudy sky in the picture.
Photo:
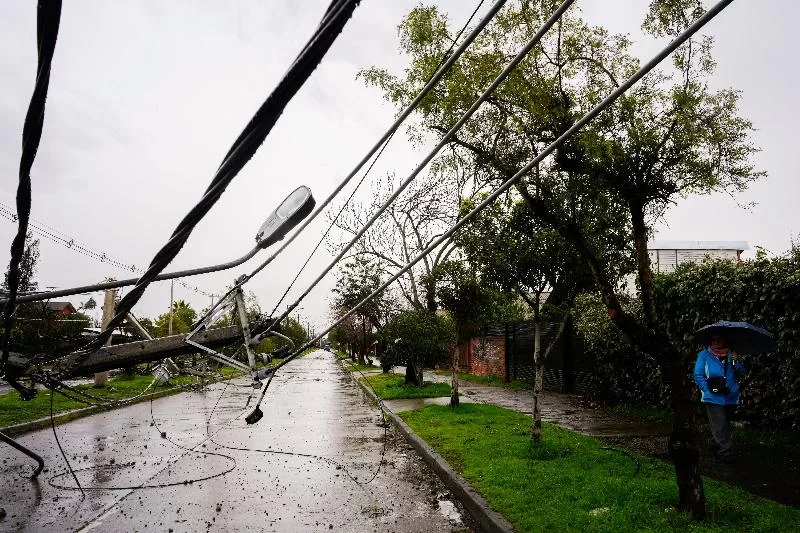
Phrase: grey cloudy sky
(146, 97)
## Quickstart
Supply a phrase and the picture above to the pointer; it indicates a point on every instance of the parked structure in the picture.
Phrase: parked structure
(665, 256)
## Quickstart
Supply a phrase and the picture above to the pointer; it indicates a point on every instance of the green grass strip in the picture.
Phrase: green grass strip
(15, 411)
(568, 482)
(492, 381)
(392, 387)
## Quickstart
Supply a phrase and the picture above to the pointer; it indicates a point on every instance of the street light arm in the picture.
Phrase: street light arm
(132, 281)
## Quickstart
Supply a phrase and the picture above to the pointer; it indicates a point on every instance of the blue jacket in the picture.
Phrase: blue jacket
(708, 365)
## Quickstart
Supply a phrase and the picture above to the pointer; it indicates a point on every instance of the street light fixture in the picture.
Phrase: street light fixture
(289, 213)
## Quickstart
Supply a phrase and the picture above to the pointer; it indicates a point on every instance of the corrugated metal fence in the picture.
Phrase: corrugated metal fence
(566, 370)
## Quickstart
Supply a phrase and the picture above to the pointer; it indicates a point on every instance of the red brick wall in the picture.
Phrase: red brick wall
(486, 356)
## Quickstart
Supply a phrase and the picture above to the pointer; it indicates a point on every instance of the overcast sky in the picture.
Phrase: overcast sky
(146, 97)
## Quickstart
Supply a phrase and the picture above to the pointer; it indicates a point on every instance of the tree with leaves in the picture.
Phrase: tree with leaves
(417, 338)
(516, 254)
(472, 304)
(183, 316)
(27, 267)
(669, 136)
(356, 280)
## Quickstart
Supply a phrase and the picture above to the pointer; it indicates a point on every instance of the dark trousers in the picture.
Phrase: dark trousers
(719, 417)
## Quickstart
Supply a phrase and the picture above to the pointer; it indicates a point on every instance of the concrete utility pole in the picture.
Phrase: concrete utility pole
(171, 305)
(109, 310)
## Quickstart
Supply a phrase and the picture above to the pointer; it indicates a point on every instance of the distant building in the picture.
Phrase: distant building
(666, 255)
(61, 308)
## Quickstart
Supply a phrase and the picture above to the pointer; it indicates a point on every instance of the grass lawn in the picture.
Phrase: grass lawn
(493, 381)
(392, 387)
(570, 483)
(355, 367)
(15, 411)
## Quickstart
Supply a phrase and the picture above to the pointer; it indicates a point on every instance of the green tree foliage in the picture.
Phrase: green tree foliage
(417, 339)
(762, 291)
(472, 304)
(670, 136)
(183, 316)
(355, 281)
(27, 267)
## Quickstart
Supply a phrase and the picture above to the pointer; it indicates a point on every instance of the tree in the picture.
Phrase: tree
(417, 338)
(418, 216)
(514, 253)
(356, 280)
(183, 316)
(471, 303)
(27, 267)
(670, 136)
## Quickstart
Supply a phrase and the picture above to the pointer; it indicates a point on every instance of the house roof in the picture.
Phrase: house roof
(61, 306)
(739, 246)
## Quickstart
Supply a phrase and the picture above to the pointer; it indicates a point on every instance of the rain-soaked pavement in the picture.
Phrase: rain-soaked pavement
(190, 463)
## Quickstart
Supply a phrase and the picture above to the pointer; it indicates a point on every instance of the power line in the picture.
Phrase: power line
(52, 234)
(589, 116)
(444, 58)
(48, 17)
(432, 82)
(443, 142)
(243, 149)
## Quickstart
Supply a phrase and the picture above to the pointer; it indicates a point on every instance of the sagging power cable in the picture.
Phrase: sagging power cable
(48, 18)
(443, 142)
(243, 149)
(588, 117)
(444, 58)
(432, 82)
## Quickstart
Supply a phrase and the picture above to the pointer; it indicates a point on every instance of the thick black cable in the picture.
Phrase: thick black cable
(433, 81)
(240, 153)
(444, 58)
(580, 123)
(58, 443)
(48, 18)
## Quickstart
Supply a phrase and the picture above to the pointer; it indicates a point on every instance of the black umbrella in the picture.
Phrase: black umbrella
(743, 337)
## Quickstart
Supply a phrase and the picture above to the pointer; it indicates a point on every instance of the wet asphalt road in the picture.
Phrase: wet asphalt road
(194, 465)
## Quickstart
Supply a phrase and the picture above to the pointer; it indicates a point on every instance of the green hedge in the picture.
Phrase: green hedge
(764, 292)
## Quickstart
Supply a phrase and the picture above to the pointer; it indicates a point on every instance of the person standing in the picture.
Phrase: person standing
(715, 373)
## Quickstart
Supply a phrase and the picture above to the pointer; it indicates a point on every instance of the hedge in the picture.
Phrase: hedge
(764, 292)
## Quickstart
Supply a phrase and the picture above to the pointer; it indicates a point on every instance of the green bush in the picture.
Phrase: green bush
(764, 292)
(618, 372)
(418, 337)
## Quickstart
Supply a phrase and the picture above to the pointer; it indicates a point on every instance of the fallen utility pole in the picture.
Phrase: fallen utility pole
(147, 350)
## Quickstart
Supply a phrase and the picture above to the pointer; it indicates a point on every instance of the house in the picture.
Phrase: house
(666, 255)
(61, 308)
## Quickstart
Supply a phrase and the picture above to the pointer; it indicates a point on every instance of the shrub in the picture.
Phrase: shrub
(764, 292)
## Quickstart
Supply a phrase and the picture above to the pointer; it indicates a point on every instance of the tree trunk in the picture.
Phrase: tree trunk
(454, 401)
(684, 444)
(538, 365)
(413, 373)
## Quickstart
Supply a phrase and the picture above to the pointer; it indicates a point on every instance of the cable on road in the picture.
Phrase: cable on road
(116, 466)
(328, 460)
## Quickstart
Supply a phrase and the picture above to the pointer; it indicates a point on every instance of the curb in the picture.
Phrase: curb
(490, 520)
